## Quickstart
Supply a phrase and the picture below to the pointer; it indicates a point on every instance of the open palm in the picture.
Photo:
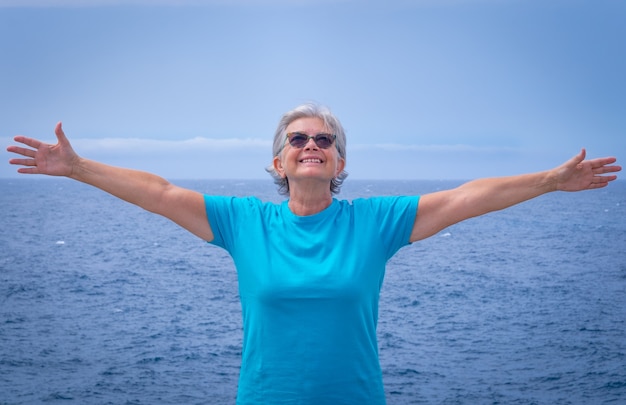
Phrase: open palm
(578, 174)
(43, 158)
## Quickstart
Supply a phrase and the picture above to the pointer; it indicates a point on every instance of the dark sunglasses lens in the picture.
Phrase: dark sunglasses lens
(323, 140)
(298, 140)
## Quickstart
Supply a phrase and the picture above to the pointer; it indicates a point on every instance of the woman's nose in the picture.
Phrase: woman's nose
(310, 144)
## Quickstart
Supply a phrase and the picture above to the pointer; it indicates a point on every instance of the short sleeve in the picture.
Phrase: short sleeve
(395, 217)
(226, 215)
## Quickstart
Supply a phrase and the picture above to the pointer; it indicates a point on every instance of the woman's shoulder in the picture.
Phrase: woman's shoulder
(384, 200)
(237, 202)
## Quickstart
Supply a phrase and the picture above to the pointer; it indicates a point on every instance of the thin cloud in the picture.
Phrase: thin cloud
(396, 147)
(236, 3)
(147, 146)
(172, 3)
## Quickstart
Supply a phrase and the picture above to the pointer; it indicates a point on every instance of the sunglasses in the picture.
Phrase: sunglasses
(299, 140)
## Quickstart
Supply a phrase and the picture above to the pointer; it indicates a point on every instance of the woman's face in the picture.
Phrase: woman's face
(309, 162)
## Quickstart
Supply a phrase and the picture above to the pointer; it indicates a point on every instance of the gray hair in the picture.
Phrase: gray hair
(308, 110)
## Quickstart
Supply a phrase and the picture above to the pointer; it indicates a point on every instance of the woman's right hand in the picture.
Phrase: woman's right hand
(43, 158)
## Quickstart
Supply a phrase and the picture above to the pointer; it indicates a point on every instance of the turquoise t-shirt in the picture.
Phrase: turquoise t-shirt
(309, 289)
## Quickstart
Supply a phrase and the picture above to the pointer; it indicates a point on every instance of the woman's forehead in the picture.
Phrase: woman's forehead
(307, 124)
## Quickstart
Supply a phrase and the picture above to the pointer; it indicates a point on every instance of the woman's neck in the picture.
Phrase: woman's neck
(309, 200)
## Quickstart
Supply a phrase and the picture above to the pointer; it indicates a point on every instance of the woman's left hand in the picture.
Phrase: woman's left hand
(579, 174)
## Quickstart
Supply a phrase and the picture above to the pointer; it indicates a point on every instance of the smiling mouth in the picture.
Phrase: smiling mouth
(311, 161)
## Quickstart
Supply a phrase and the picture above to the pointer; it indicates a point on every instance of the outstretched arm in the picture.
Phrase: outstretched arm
(148, 191)
(441, 209)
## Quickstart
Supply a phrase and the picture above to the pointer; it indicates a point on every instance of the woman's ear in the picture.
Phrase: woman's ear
(341, 164)
(278, 166)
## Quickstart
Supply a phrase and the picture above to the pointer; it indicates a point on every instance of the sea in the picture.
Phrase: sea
(103, 303)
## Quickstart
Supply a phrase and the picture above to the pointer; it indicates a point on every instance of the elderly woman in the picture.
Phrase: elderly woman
(310, 269)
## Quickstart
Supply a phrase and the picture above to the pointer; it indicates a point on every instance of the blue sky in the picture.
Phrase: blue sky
(425, 89)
